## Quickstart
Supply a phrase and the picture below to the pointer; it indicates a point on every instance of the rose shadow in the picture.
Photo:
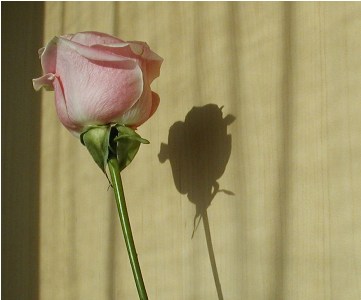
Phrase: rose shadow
(198, 150)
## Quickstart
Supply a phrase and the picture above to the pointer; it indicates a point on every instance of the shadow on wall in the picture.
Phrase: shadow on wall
(22, 36)
(198, 150)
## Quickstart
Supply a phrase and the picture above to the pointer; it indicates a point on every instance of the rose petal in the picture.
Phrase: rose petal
(97, 91)
(155, 104)
(41, 51)
(45, 81)
(137, 50)
(94, 53)
(139, 112)
(62, 110)
(121, 49)
(48, 56)
(153, 60)
(89, 38)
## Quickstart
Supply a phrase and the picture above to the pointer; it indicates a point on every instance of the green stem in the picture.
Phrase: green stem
(127, 231)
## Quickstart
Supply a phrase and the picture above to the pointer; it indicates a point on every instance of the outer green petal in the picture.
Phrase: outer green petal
(96, 139)
(128, 143)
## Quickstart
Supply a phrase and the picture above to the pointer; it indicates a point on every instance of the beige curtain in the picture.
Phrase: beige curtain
(251, 186)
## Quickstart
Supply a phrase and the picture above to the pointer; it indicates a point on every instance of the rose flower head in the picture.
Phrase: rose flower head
(99, 79)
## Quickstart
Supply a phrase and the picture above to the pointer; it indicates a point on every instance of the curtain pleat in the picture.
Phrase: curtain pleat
(251, 186)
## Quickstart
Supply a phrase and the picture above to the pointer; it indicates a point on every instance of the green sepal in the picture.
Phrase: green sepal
(96, 139)
(129, 133)
(128, 143)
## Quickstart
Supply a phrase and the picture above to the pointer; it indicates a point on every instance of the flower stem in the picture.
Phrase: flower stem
(127, 231)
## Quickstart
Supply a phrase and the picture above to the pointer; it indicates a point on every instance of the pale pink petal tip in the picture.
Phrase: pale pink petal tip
(41, 51)
(45, 81)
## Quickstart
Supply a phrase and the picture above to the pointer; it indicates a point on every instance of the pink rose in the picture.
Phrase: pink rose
(99, 79)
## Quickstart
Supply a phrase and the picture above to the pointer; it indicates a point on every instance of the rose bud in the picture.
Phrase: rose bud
(99, 79)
